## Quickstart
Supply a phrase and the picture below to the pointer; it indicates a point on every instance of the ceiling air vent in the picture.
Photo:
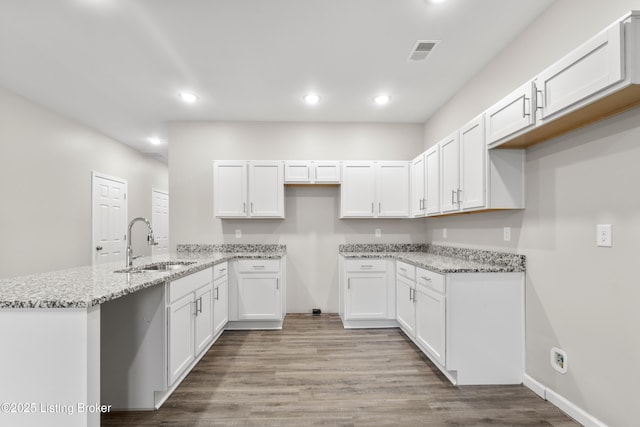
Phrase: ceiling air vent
(422, 49)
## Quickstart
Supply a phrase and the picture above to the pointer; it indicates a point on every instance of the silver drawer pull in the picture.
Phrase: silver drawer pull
(259, 266)
(428, 279)
(222, 270)
(366, 266)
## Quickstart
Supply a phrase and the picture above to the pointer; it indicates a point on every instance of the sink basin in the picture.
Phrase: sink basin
(157, 266)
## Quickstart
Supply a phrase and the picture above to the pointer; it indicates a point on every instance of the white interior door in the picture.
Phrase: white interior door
(109, 218)
(160, 221)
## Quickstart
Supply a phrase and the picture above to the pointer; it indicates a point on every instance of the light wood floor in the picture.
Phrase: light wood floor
(314, 372)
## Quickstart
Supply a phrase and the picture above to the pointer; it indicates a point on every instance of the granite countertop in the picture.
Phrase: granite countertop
(441, 259)
(88, 286)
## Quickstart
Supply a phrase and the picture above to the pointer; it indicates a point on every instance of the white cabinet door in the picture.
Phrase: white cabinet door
(297, 172)
(220, 305)
(431, 322)
(180, 336)
(405, 306)
(326, 172)
(266, 190)
(392, 189)
(418, 181)
(357, 193)
(203, 332)
(432, 184)
(259, 297)
(592, 67)
(366, 297)
(450, 173)
(473, 161)
(230, 189)
(513, 114)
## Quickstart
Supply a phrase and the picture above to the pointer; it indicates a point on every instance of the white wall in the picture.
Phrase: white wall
(580, 298)
(311, 230)
(46, 162)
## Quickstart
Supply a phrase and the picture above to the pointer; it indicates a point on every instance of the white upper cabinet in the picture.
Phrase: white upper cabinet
(358, 190)
(244, 189)
(418, 191)
(311, 172)
(512, 115)
(230, 189)
(432, 184)
(450, 173)
(599, 78)
(266, 190)
(587, 70)
(473, 162)
(392, 189)
(375, 189)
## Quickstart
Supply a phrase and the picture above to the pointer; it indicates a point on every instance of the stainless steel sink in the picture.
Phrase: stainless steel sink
(156, 266)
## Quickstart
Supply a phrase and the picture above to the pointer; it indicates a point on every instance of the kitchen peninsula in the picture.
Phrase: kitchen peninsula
(52, 325)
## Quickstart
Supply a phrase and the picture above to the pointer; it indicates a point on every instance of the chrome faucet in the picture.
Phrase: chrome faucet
(150, 239)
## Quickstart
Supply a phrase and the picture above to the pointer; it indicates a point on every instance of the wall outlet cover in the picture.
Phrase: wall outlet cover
(604, 238)
(507, 234)
(559, 360)
(238, 233)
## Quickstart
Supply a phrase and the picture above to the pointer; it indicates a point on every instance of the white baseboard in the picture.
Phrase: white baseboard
(566, 406)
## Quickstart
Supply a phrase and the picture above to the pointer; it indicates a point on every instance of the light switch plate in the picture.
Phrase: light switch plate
(507, 234)
(604, 238)
(378, 232)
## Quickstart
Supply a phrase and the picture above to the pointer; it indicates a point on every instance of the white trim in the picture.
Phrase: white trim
(534, 386)
(562, 403)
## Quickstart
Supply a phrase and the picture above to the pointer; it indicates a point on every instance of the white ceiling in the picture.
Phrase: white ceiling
(118, 65)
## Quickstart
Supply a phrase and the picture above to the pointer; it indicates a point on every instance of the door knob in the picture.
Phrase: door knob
(98, 248)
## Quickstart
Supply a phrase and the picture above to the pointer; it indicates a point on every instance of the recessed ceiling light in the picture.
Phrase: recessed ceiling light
(188, 97)
(311, 99)
(154, 140)
(382, 99)
(436, 1)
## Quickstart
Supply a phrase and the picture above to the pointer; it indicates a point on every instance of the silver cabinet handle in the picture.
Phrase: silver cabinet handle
(452, 193)
(251, 207)
(217, 294)
(366, 266)
(539, 103)
(349, 283)
(244, 207)
(99, 248)
(258, 266)
(198, 306)
(379, 208)
(410, 294)
(458, 193)
(277, 284)
(524, 107)
(372, 207)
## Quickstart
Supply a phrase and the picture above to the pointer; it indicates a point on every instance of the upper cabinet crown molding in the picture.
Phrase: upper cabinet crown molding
(598, 79)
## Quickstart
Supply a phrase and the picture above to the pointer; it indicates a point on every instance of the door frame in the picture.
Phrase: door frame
(153, 193)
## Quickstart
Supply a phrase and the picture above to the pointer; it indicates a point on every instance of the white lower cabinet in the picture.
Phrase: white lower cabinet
(471, 325)
(220, 298)
(430, 319)
(367, 293)
(256, 294)
(190, 321)
(151, 339)
(406, 298)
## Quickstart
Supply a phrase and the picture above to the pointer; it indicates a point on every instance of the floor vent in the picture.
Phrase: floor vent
(422, 49)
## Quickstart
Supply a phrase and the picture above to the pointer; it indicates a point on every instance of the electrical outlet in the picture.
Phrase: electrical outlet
(604, 235)
(559, 360)
(238, 233)
(507, 234)
(444, 233)
(378, 232)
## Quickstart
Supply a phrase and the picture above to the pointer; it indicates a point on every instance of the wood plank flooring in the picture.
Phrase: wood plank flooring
(314, 373)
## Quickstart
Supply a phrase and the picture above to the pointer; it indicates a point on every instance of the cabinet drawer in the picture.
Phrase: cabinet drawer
(431, 280)
(406, 270)
(183, 286)
(354, 265)
(259, 265)
(219, 270)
